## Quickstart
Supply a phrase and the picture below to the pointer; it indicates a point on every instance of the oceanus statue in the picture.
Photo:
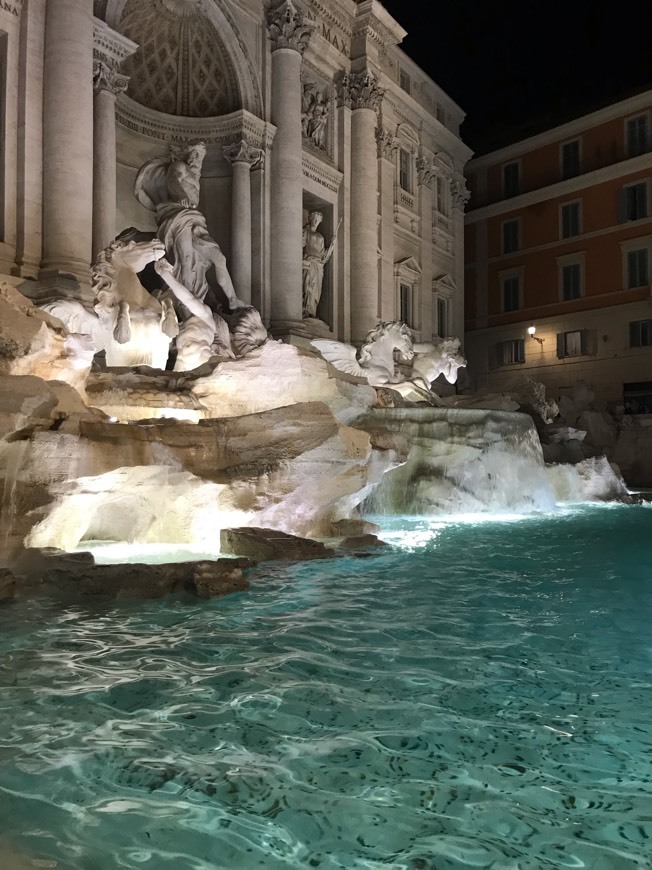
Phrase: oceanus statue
(169, 186)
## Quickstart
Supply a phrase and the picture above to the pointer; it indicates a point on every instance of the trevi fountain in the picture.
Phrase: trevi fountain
(272, 599)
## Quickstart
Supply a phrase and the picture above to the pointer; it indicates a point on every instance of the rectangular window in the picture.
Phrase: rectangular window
(637, 268)
(511, 234)
(404, 170)
(511, 293)
(637, 136)
(442, 317)
(511, 179)
(442, 195)
(570, 220)
(633, 204)
(572, 343)
(404, 81)
(404, 302)
(511, 351)
(570, 159)
(640, 333)
(571, 281)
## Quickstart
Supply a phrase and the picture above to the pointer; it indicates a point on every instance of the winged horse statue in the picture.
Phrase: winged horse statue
(376, 360)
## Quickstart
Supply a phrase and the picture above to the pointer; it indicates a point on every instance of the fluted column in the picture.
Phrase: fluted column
(426, 178)
(365, 96)
(388, 145)
(68, 138)
(108, 83)
(460, 196)
(290, 30)
(242, 158)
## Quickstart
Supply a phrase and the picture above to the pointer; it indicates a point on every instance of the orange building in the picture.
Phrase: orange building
(559, 236)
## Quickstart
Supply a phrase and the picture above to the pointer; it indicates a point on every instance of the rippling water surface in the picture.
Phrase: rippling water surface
(480, 696)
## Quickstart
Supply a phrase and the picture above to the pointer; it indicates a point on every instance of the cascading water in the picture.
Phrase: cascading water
(463, 461)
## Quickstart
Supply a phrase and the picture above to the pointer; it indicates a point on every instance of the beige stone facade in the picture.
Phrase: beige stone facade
(303, 107)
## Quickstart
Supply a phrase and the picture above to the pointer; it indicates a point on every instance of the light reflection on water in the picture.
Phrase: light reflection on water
(478, 696)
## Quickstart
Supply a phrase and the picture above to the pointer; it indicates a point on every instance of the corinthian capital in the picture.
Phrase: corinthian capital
(360, 91)
(460, 194)
(107, 78)
(289, 26)
(243, 152)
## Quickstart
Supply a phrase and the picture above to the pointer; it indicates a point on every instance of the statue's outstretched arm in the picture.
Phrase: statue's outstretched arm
(194, 305)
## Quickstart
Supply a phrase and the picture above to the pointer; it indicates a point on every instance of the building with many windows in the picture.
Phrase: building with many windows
(559, 257)
(303, 106)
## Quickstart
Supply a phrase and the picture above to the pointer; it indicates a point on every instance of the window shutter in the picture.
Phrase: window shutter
(495, 356)
(634, 340)
(561, 345)
(622, 205)
(589, 342)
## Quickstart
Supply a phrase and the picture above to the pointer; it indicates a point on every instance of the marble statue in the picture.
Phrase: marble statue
(442, 358)
(127, 322)
(169, 186)
(205, 333)
(315, 257)
(315, 108)
(375, 362)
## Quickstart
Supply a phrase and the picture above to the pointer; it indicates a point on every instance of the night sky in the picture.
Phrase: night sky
(517, 68)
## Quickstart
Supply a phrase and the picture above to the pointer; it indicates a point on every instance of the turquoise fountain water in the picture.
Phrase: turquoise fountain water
(479, 696)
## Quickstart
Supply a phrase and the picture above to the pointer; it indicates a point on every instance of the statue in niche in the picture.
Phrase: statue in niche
(376, 361)
(315, 109)
(205, 333)
(315, 257)
(169, 186)
(127, 322)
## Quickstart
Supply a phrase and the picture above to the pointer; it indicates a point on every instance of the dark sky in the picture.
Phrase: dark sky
(518, 67)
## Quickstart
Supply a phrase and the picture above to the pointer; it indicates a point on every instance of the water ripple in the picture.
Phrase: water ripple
(404, 711)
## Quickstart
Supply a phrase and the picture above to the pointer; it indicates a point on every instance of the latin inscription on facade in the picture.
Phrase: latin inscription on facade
(337, 41)
(11, 8)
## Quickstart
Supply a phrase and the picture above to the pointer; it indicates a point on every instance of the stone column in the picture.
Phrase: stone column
(110, 48)
(290, 30)
(108, 83)
(242, 158)
(365, 96)
(459, 198)
(388, 145)
(68, 139)
(426, 175)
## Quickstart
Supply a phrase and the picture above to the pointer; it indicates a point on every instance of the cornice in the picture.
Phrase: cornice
(328, 12)
(562, 188)
(223, 130)
(109, 45)
(564, 131)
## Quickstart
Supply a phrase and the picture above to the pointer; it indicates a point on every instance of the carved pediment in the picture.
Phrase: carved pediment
(444, 284)
(408, 268)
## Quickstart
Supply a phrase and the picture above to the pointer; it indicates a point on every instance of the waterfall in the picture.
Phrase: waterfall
(462, 461)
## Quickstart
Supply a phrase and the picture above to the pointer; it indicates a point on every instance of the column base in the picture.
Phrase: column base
(52, 285)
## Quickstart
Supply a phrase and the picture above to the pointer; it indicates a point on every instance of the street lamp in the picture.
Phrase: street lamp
(531, 330)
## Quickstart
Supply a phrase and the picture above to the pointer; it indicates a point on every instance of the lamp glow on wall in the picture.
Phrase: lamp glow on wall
(531, 331)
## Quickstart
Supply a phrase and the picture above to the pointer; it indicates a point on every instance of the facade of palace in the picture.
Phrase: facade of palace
(303, 108)
(559, 237)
